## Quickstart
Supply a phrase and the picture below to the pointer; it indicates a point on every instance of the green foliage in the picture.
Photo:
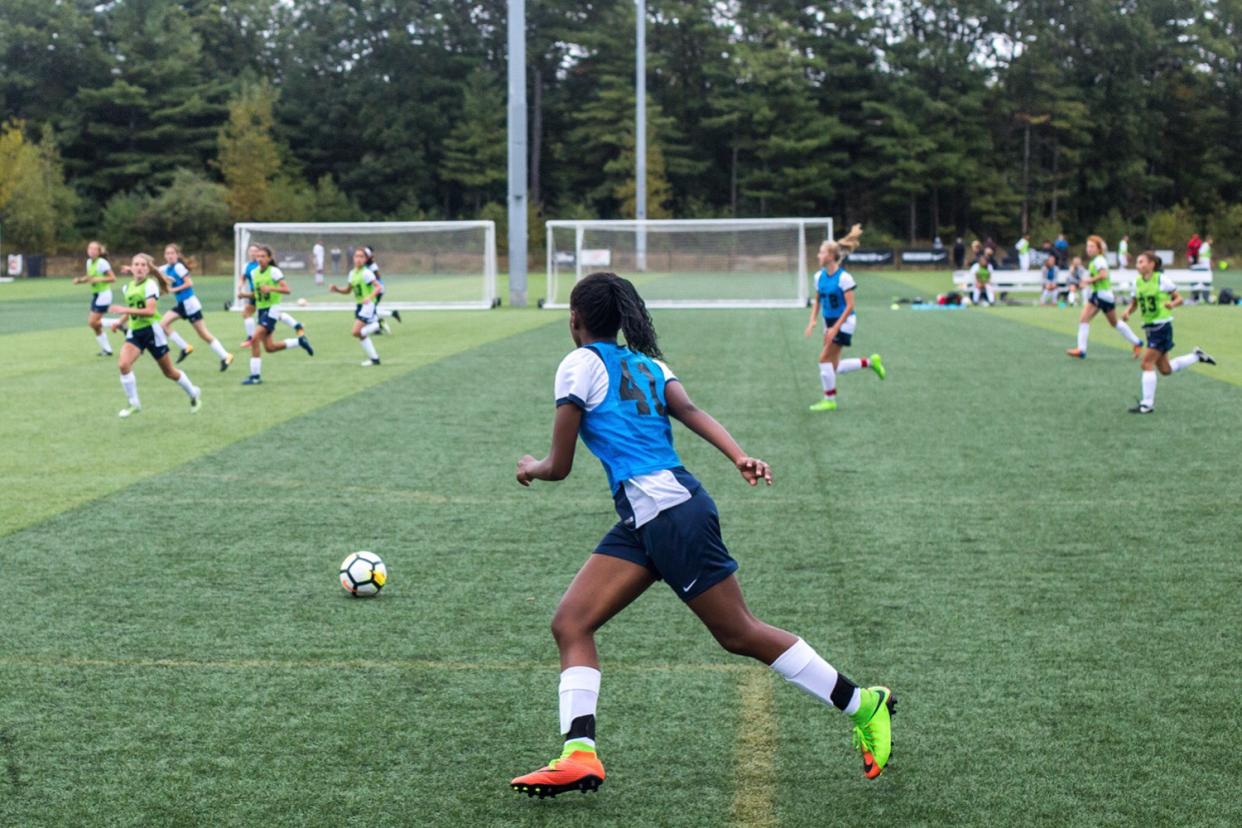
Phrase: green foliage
(249, 157)
(36, 206)
(1171, 228)
(1225, 226)
(121, 226)
(476, 152)
(191, 211)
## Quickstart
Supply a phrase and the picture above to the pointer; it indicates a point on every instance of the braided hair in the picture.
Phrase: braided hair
(606, 303)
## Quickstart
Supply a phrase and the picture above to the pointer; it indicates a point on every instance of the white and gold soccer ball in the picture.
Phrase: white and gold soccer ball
(302, 302)
(363, 574)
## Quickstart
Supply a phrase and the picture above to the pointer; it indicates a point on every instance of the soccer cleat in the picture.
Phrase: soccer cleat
(877, 365)
(384, 327)
(396, 315)
(253, 379)
(304, 343)
(367, 363)
(129, 411)
(1138, 351)
(185, 352)
(300, 330)
(247, 342)
(196, 402)
(874, 737)
(825, 405)
(577, 769)
(228, 306)
(105, 353)
(1075, 352)
(1203, 356)
(1142, 409)
(226, 362)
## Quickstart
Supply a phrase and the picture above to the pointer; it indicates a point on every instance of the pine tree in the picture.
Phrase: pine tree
(249, 158)
(475, 154)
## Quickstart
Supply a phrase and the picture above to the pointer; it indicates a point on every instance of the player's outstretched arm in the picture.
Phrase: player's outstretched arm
(703, 424)
(560, 459)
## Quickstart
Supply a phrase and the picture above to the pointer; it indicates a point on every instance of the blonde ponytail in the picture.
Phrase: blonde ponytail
(847, 244)
(153, 271)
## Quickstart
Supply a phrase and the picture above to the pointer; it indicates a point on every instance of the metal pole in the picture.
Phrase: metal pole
(640, 135)
(517, 153)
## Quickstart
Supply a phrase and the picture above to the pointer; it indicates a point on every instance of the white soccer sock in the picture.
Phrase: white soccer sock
(256, 366)
(1131, 336)
(288, 320)
(1084, 330)
(104, 345)
(129, 382)
(828, 378)
(291, 343)
(249, 323)
(991, 292)
(802, 666)
(579, 692)
(1181, 363)
(369, 347)
(1149, 389)
(974, 295)
(219, 349)
(186, 385)
(176, 339)
(846, 366)
(370, 328)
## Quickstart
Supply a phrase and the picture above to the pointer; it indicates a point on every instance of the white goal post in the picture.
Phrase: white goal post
(691, 263)
(425, 265)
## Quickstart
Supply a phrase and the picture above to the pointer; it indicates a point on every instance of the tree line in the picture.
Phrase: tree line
(143, 120)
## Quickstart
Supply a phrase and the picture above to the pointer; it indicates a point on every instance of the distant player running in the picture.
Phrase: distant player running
(834, 297)
(1102, 300)
(269, 286)
(373, 266)
(1155, 296)
(100, 277)
(188, 308)
(364, 285)
(619, 401)
(245, 288)
(141, 300)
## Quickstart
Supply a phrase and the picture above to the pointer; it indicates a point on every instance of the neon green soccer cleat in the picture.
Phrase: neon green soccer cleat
(877, 365)
(874, 737)
(825, 405)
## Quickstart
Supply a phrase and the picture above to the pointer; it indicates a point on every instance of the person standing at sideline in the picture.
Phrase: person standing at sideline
(1062, 248)
(317, 255)
(1123, 252)
(1192, 249)
(959, 254)
(1024, 252)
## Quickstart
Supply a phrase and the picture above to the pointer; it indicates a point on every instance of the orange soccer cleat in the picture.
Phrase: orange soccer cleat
(1075, 352)
(577, 769)
(1138, 351)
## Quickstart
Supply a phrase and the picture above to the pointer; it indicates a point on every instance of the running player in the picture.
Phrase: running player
(379, 280)
(141, 300)
(834, 297)
(619, 401)
(188, 308)
(981, 281)
(1155, 296)
(100, 277)
(1103, 300)
(365, 287)
(245, 288)
(269, 286)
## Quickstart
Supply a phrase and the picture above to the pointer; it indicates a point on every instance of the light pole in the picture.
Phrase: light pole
(517, 153)
(640, 134)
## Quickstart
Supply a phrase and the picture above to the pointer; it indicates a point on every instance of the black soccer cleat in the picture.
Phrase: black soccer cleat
(305, 345)
(1142, 409)
(1204, 356)
(185, 352)
(396, 314)
(253, 379)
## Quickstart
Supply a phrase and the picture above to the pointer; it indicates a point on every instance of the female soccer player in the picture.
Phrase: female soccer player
(365, 287)
(981, 278)
(379, 280)
(834, 296)
(619, 400)
(1049, 295)
(245, 288)
(100, 277)
(188, 308)
(1103, 300)
(1155, 297)
(269, 286)
(141, 299)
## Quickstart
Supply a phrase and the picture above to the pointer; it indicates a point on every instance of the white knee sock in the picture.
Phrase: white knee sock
(802, 666)
(187, 386)
(291, 343)
(1130, 336)
(176, 339)
(1149, 389)
(369, 347)
(991, 292)
(370, 328)
(828, 378)
(974, 295)
(289, 320)
(249, 323)
(1084, 330)
(104, 345)
(219, 349)
(130, 383)
(1181, 363)
(256, 366)
(579, 692)
(845, 366)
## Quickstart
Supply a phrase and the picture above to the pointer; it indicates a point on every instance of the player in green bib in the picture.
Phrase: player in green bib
(267, 283)
(100, 277)
(1102, 300)
(1155, 297)
(146, 334)
(1024, 251)
(364, 286)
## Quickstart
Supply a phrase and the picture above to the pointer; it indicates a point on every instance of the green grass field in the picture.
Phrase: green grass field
(1049, 584)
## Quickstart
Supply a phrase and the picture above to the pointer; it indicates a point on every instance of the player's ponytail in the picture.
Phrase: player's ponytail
(1157, 264)
(845, 245)
(154, 272)
(606, 303)
(1099, 244)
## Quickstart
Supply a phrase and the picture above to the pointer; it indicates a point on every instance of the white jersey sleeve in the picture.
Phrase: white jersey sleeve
(669, 376)
(847, 282)
(152, 288)
(581, 380)
(103, 266)
(1100, 263)
(277, 274)
(180, 270)
(1166, 284)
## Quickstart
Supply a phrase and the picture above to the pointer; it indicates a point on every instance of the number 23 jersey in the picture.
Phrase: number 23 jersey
(625, 423)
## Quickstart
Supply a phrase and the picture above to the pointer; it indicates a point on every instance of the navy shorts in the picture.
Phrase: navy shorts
(267, 320)
(1160, 337)
(1104, 305)
(98, 307)
(146, 339)
(179, 309)
(681, 545)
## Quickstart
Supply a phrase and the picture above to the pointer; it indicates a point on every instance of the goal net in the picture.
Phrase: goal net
(425, 265)
(717, 263)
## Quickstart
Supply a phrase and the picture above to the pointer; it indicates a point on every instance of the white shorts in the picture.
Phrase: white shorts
(192, 306)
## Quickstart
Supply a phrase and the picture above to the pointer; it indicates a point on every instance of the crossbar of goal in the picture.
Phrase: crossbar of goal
(424, 265)
(690, 263)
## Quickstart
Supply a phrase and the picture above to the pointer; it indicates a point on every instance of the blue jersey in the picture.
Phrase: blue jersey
(1050, 273)
(176, 273)
(629, 431)
(248, 273)
(831, 288)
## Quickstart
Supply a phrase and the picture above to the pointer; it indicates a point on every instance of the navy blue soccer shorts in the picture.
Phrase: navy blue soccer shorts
(1160, 337)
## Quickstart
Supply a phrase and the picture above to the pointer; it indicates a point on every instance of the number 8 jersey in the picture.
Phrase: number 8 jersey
(625, 424)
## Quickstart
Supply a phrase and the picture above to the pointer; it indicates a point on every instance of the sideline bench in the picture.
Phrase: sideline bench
(1032, 281)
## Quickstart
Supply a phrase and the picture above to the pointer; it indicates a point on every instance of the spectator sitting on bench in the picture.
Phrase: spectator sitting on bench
(1049, 294)
(1073, 281)
(1205, 255)
(981, 278)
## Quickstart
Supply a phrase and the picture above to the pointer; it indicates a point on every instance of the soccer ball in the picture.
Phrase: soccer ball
(363, 574)
(302, 302)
